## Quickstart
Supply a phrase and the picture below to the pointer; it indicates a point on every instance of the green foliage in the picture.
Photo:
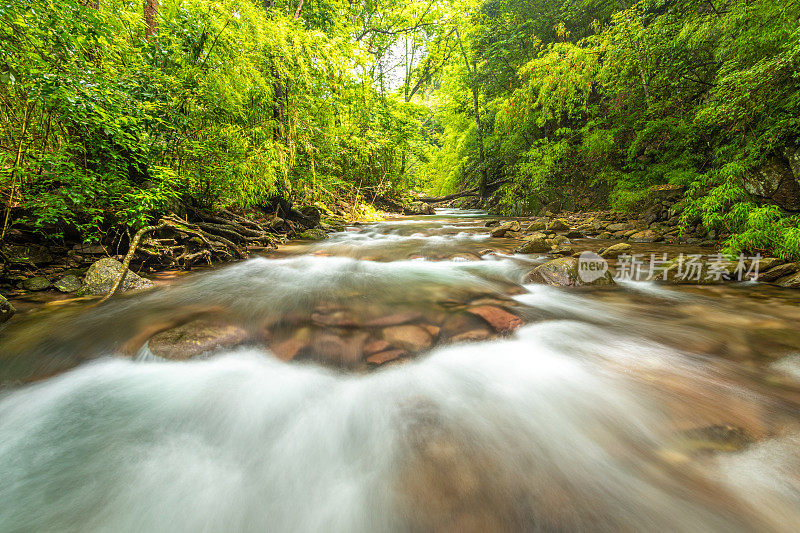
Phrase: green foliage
(594, 102)
(228, 104)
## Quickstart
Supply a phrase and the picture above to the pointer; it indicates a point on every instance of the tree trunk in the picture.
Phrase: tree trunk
(473, 71)
(150, 17)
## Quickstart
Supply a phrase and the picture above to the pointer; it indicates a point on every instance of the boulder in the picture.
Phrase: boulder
(314, 234)
(6, 309)
(103, 273)
(575, 234)
(563, 272)
(69, 283)
(558, 224)
(792, 281)
(505, 228)
(774, 181)
(420, 208)
(536, 225)
(534, 246)
(780, 271)
(616, 250)
(36, 283)
(647, 235)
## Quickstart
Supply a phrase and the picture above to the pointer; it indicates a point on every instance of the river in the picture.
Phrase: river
(380, 381)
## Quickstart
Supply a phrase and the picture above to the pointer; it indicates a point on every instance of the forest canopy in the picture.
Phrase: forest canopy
(115, 112)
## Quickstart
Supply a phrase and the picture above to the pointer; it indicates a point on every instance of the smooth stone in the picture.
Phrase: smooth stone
(501, 320)
(616, 250)
(408, 337)
(195, 339)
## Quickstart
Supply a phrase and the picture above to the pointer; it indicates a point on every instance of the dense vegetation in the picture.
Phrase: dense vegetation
(109, 118)
(113, 112)
(593, 102)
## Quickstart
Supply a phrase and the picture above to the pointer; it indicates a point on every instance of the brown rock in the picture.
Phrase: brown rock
(375, 346)
(195, 338)
(385, 356)
(647, 235)
(287, 346)
(792, 281)
(501, 230)
(462, 327)
(779, 271)
(401, 317)
(338, 347)
(616, 250)
(501, 320)
(409, 337)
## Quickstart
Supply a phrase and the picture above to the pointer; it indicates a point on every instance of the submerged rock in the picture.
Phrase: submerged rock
(6, 309)
(563, 272)
(195, 339)
(103, 273)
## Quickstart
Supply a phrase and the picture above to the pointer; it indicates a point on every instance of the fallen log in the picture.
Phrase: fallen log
(462, 194)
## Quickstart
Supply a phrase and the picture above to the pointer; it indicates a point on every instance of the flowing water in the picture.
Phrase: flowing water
(638, 407)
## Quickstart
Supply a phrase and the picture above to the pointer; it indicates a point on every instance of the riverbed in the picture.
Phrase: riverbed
(401, 376)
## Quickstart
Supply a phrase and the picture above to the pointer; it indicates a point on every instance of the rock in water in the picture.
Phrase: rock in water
(501, 231)
(6, 309)
(420, 208)
(616, 250)
(647, 235)
(563, 272)
(103, 273)
(534, 246)
(558, 224)
(196, 338)
(36, 283)
(69, 283)
(314, 234)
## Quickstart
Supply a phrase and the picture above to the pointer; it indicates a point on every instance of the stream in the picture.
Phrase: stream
(399, 377)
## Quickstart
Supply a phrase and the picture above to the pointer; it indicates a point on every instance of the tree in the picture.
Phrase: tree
(150, 18)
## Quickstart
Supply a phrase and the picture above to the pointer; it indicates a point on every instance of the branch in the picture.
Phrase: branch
(129, 256)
